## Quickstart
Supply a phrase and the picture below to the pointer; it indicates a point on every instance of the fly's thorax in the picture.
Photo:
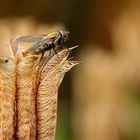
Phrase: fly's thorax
(52, 35)
(52, 38)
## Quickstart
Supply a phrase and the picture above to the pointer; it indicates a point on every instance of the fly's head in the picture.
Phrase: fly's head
(64, 35)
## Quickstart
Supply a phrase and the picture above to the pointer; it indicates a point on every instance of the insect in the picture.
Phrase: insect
(42, 43)
(48, 42)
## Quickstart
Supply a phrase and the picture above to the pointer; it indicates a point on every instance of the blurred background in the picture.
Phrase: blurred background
(99, 99)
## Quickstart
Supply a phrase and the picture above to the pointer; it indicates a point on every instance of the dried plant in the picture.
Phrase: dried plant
(7, 96)
(28, 93)
(50, 78)
(26, 119)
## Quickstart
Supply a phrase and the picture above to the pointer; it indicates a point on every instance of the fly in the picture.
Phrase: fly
(48, 42)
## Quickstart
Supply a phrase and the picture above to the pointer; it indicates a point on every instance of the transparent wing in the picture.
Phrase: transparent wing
(15, 41)
(30, 38)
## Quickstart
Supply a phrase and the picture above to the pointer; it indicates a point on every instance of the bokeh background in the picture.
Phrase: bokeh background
(99, 99)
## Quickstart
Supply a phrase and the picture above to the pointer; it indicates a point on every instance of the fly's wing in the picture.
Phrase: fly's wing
(28, 40)
(40, 44)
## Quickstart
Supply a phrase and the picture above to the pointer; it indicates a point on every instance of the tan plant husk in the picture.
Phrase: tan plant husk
(50, 79)
(7, 98)
(26, 118)
(51, 62)
(34, 89)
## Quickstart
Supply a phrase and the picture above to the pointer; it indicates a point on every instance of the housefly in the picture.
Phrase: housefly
(48, 42)
(42, 43)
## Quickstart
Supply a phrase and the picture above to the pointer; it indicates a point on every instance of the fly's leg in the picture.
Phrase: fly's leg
(48, 47)
(63, 47)
(56, 53)
(52, 46)
(42, 54)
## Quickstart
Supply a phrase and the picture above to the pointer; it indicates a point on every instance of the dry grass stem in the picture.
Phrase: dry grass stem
(50, 79)
(28, 92)
(7, 98)
(26, 125)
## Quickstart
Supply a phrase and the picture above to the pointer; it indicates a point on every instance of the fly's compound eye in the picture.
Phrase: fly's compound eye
(65, 34)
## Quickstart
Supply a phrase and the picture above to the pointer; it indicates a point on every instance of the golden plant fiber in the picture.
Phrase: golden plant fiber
(26, 116)
(50, 79)
(7, 98)
(29, 91)
(52, 62)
